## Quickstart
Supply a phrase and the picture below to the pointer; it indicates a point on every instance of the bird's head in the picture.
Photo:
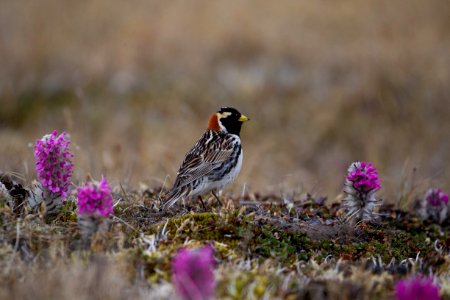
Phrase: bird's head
(227, 119)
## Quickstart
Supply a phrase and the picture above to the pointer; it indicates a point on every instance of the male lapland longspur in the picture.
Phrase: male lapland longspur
(213, 162)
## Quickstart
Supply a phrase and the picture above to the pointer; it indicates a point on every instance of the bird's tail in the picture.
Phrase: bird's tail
(172, 197)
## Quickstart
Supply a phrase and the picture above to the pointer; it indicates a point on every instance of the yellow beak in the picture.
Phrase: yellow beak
(243, 119)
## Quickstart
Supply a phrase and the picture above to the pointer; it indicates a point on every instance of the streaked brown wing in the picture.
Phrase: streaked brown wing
(206, 155)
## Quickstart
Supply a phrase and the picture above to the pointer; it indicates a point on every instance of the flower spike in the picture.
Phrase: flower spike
(361, 185)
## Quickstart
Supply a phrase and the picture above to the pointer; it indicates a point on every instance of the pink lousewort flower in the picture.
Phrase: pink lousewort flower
(364, 176)
(193, 273)
(361, 184)
(416, 288)
(54, 165)
(95, 199)
(434, 206)
(435, 197)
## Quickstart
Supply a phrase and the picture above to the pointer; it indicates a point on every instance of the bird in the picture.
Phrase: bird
(213, 162)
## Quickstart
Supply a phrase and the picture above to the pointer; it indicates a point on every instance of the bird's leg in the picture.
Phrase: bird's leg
(201, 200)
(217, 198)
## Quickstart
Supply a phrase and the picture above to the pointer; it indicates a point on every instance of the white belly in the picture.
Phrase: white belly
(207, 186)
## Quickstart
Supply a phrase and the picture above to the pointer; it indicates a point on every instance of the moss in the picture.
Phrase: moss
(156, 265)
(263, 239)
(68, 212)
(205, 227)
(284, 246)
(244, 285)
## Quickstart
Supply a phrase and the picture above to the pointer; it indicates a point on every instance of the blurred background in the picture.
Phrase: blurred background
(324, 82)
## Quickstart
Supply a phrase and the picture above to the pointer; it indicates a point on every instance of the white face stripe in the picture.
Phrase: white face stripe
(220, 116)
